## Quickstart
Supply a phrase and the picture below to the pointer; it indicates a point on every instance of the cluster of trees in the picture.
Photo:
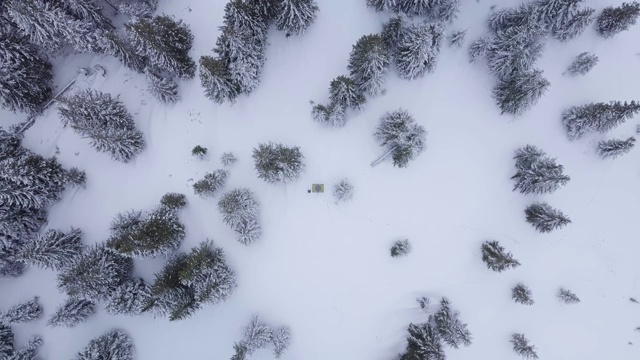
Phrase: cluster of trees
(240, 49)
(444, 327)
(239, 210)
(433, 10)
(402, 138)
(277, 163)
(258, 335)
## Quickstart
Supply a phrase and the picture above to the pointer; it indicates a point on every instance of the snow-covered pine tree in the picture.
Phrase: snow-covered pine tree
(536, 172)
(216, 80)
(25, 84)
(173, 201)
(211, 183)
(582, 64)
(382, 5)
(343, 190)
(479, 48)
(6, 341)
(524, 15)
(417, 50)
(95, 274)
(600, 117)
(514, 49)
(278, 163)
(522, 347)
(521, 294)
(163, 88)
(248, 231)
(368, 64)
(240, 211)
(497, 258)
(281, 338)
(240, 352)
(344, 92)
(129, 298)
(228, 159)
(615, 147)
(256, 335)
(520, 90)
(447, 322)
(266, 10)
(392, 31)
(613, 20)
(76, 177)
(199, 152)
(457, 38)
(165, 42)
(434, 10)
(565, 19)
(114, 345)
(137, 8)
(169, 297)
(295, 16)
(332, 115)
(52, 250)
(29, 351)
(423, 342)
(568, 296)
(87, 10)
(423, 303)
(23, 312)
(72, 312)
(121, 49)
(401, 136)
(545, 218)
(105, 120)
(400, 248)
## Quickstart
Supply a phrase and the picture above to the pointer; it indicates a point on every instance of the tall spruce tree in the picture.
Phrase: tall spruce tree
(23, 312)
(72, 312)
(382, 5)
(25, 81)
(368, 64)
(536, 172)
(524, 15)
(522, 347)
(53, 249)
(417, 50)
(497, 258)
(129, 298)
(613, 20)
(278, 163)
(545, 218)
(448, 325)
(163, 88)
(423, 342)
(120, 48)
(239, 210)
(295, 16)
(582, 64)
(345, 92)
(514, 49)
(520, 90)
(87, 10)
(565, 19)
(114, 345)
(600, 117)
(401, 136)
(216, 80)
(137, 8)
(435, 10)
(615, 147)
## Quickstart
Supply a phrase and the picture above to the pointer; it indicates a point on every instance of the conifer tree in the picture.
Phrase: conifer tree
(332, 115)
(545, 218)
(76, 177)
(240, 211)
(435, 10)
(266, 10)
(6, 341)
(165, 42)
(568, 297)
(400, 248)
(563, 18)
(211, 183)
(72, 312)
(228, 159)
(103, 119)
(129, 298)
(401, 136)
(423, 342)
(344, 92)
(513, 50)
(452, 331)
(122, 49)
(417, 49)
(520, 90)
(382, 5)
(25, 84)
(600, 117)
(278, 163)
(163, 88)
(615, 147)
(29, 351)
(216, 80)
(53, 249)
(114, 345)
(295, 16)
(457, 38)
(496, 257)
(522, 347)
(96, 274)
(368, 64)
(138, 8)
(89, 11)
(536, 172)
(257, 335)
(582, 64)
(280, 339)
(524, 15)
(23, 312)
(392, 31)
(614, 20)
(522, 294)
(343, 190)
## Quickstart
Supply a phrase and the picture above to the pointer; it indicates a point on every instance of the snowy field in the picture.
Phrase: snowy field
(324, 268)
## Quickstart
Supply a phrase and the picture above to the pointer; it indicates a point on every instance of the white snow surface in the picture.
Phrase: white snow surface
(324, 269)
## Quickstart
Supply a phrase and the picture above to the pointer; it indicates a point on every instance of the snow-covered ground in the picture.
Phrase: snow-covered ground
(324, 269)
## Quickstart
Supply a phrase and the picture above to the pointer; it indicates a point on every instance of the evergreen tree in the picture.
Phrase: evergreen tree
(25, 84)
(522, 347)
(240, 211)
(103, 119)
(157, 233)
(248, 231)
(295, 16)
(163, 88)
(513, 50)
(368, 63)
(400, 248)
(87, 10)
(457, 38)
(240, 352)
(165, 42)
(23, 312)
(29, 351)
(216, 80)
(615, 147)
(332, 115)
(600, 117)
(402, 137)
(138, 8)
(522, 16)
(392, 32)
(479, 48)
(257, 335)
(169, 297)
(536, 172)
(496, 257)
(96, 274)
(280, 339)
(6, 341)
(76, 177)
(423, 342)
(545, 218)
(53, 249)
(448, 325)
(278, 163)
(519, 91)
(582, 64)
(344, 92)
(436, 10)
(343, 190)
(211, 183)
(228, 159)
(423, 303)
(613, 20)
(129, 298)
(72, 312)
(173, 201)
(199, 152)
(114, 345)
(121, 49)
(266, 10)
(521, 294)
(568, 297)
(417, 49)
(563, 18)
(382, 5)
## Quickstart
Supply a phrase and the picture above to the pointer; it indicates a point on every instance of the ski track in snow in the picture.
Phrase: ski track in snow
(324, 269)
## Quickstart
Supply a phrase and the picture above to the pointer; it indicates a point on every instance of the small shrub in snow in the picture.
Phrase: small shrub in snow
(634, 300)
(424, 303)
(368, 64)
(496, 257)
(295, 16)
(582, 64)
(520, 90)
(257, 335)
(613, 20)
(281, 338)
(343, 190)
(400, 248)
(6, 341)
(29, 351)
(228, 159)
(615, 147)
(536, 172)
(522, 347)
(597, 117)
(278, 163)
(211, 183)
(568, 297)
(401, 136)
(114, 345)
(521, 294)
(23, 312)
(239, 210)
(76, 177)
(129, 298)
(545, 218)
(72, 312)
(199, 152)
(457, 38)
(163, 88)
(53, 249)
(173, 201)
